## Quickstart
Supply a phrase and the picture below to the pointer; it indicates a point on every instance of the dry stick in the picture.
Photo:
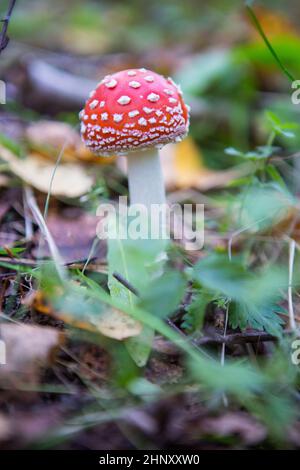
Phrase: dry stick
(28, 221)
(292, 245)
(30, 199)
(4, 39)
(224, 397)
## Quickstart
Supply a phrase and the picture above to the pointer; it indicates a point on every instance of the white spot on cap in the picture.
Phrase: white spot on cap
(148, 110)
(153, 97)
(81, 114)
(94, 104)
(102, 104)
(82, 128)
(92, 93)
(142, 122)
(152, 120)
(131, 73)
(133, 113)
(104, 116)
(168, 91)
(158, 113)
(118, 117)
(124, 100)
(172, 100)
(86, 117)
(134, 84)
(93, 117)
(111, 83)
(143, 69)
(149, 78)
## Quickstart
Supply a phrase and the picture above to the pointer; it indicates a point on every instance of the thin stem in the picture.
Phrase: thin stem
(267, 42)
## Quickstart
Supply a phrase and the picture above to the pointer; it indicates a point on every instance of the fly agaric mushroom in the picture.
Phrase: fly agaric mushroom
(136, 110)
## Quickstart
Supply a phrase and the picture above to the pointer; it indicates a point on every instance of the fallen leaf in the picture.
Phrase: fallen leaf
(49, 138)
(111, 322)
(70, 179)
(116, 324)
(183, 167)
(73, 243)
(28, 348)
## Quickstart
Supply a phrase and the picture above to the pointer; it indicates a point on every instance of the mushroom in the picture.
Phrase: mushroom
(136, 112)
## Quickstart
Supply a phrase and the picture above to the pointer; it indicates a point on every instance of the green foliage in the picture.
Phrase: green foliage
(261, 205)
(281, 128)
(195, 311)
(135, 261)
(260, 153)
(163, 294)
(252, 293)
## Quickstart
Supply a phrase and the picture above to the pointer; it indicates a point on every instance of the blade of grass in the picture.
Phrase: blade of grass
(267, 42)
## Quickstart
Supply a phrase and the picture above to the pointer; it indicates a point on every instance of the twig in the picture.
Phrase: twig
(125, 283)
(4, 39)
(31, 202)
(251, 337)
(224, 397)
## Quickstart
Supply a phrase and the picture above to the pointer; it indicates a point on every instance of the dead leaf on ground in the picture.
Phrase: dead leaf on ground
(49, 138)
(112, 322)
(70, 179)
(183, 167)
(73, 243)
(28, 348)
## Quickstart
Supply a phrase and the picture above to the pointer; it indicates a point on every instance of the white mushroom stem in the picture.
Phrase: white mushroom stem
(146, 186)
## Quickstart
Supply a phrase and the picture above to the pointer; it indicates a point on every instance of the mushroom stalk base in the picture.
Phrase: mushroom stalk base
(146, 184)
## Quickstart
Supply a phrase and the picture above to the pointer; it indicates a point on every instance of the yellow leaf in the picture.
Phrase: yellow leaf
(49, 138)
(183, 167)
(112, 323)
(70, 179)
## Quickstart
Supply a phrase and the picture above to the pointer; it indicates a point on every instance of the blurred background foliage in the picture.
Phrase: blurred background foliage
(243, 139)
(225, 70)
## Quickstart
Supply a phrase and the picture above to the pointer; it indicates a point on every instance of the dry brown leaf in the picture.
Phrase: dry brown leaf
(28, 348)
(73, 244)
(70, 179)
(112, 323)
(50, 137)
(183, 167)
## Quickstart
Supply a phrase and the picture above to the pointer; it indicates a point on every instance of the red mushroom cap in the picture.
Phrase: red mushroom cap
(131, 110)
